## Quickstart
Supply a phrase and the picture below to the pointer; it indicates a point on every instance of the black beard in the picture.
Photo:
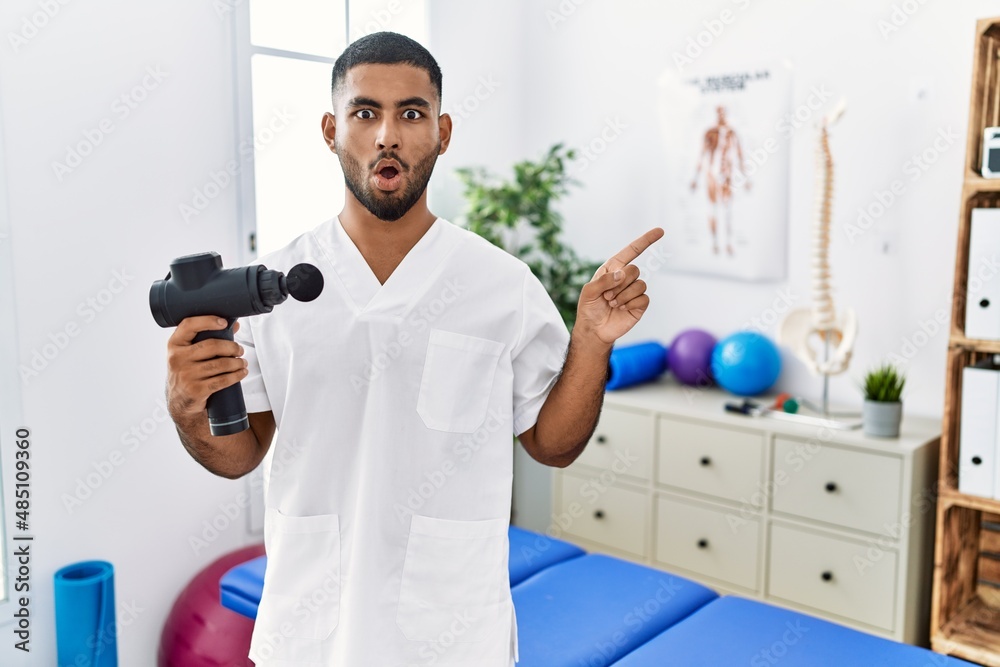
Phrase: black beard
(388, 206)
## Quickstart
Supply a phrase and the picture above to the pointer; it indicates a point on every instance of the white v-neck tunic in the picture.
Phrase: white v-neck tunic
(388, 484)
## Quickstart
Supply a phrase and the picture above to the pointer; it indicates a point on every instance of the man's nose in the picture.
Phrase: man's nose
(388, 136)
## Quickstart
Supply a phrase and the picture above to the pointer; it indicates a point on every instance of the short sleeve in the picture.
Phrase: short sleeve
(538, 356)
(254, 393)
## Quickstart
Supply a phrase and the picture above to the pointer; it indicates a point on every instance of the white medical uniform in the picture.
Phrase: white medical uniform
(388, 484)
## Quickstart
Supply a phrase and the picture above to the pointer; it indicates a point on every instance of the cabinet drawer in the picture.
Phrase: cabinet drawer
(842, 577)
(609, 515)
(716, 543)
(708, 459)
(622, 443)
(842, 486)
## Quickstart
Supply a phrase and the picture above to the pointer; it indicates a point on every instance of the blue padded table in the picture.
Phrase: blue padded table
(531, 552)
(241, 587)
(736, 631)
(590, 611)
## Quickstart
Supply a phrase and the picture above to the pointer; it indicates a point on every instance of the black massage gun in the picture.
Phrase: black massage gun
(198, 285)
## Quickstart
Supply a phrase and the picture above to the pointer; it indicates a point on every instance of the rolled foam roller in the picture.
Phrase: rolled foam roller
(85, 615)
(634, 364)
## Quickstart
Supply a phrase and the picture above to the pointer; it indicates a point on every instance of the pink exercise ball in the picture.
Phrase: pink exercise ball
(199, 631)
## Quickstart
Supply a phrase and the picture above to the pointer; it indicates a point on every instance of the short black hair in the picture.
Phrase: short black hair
(385, 48)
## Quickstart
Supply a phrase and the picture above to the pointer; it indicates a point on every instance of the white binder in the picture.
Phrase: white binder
(982, 307)
(978, 431)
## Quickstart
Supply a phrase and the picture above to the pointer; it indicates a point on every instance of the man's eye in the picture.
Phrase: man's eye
(412, 114)
(365, 114)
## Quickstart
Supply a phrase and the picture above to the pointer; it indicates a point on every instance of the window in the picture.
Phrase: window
(290, 181)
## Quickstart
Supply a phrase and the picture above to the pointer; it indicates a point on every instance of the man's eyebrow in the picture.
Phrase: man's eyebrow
(413, 102)
(363, 102)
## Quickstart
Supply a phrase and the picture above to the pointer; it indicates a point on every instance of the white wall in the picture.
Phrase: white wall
(584, 62)
(118, 211)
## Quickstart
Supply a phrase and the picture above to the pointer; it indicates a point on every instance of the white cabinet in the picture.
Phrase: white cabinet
(828, 522)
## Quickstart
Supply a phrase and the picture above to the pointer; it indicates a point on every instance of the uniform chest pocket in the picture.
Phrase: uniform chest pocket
(457, 381)
(451, 588)
(302, 580)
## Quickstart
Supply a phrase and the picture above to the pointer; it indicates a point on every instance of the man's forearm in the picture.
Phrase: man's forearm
(230, 456)
(569, 415)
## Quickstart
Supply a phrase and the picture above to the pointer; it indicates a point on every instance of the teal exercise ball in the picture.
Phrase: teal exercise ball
(746, 363)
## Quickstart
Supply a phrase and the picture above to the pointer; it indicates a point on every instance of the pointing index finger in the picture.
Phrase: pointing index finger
(634, 249)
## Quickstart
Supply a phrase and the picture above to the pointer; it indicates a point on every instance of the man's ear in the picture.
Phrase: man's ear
(444, 129)
(329, 126)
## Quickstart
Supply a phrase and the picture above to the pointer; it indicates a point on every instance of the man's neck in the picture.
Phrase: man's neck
(384, 243)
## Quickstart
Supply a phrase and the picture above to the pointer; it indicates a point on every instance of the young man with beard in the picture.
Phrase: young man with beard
(395, 393)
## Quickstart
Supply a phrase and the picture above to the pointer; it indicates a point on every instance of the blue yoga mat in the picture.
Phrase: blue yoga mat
(85, 614)
(633, 364)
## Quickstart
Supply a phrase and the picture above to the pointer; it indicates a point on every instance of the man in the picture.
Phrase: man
(716, 157)
(395, 394)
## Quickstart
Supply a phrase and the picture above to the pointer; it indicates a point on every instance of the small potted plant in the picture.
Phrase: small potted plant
(883, 407)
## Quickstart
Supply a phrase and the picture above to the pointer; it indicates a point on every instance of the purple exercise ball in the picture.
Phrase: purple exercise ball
(690, 357)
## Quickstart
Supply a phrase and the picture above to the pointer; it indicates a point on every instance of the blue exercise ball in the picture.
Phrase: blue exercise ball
(746, 363)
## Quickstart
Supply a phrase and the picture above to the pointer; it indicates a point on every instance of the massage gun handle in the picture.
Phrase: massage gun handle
(227, 412)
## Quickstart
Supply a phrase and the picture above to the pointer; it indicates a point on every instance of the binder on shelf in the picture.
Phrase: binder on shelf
(982, 306)
(977, 448)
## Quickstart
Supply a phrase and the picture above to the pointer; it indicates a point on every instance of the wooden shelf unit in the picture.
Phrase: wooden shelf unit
(965, 598)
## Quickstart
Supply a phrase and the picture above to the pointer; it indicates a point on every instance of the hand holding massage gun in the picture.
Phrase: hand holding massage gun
(198, 285)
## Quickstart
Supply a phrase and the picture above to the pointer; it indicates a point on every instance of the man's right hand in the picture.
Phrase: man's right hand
(195, 371)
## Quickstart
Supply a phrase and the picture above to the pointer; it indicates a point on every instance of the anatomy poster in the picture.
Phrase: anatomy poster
(725, 194)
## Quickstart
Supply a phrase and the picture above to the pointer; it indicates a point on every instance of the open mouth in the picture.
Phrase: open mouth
(387, 175)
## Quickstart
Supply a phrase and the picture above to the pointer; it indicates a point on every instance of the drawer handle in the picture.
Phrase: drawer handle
(702, 543)
(599, 514)
(601, 439)
(827, 576)
(831, 487)
(976, 460)
(705, 461)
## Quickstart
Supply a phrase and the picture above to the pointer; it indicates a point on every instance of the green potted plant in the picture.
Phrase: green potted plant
(499, 210)
(883, 407)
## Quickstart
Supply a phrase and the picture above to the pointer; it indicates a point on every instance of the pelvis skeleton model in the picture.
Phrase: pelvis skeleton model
(835, 336)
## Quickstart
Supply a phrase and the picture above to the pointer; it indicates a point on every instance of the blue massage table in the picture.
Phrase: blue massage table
(590, 610)
(241, 587)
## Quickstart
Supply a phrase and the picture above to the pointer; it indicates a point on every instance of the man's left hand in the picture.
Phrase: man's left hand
(609, 308)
